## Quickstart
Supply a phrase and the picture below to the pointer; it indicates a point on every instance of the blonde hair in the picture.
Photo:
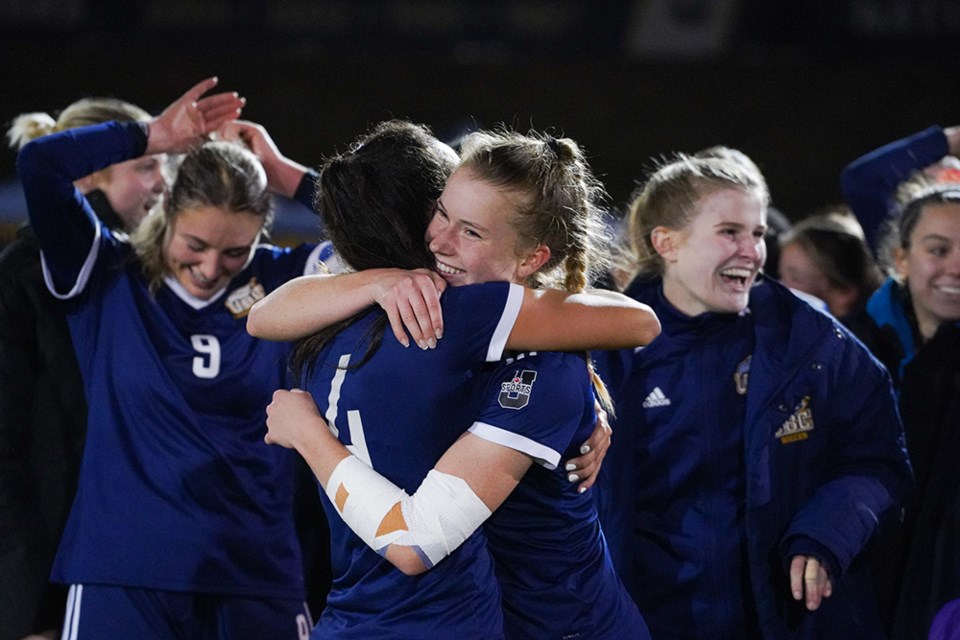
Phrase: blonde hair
(670, 195)
(560, 207)
(218, 174)
(560, 201)
(83, 112)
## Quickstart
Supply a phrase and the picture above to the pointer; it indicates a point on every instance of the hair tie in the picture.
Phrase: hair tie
(554, 145)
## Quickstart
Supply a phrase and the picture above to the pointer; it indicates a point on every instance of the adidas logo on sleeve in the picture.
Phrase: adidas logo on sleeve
(656, 399)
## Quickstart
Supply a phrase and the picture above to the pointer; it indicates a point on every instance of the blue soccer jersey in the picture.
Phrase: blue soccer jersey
(399, 412)
(551, 558)
(177, 489)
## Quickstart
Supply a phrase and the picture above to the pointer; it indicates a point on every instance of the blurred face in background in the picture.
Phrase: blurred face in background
(132, 188)
(931, 266)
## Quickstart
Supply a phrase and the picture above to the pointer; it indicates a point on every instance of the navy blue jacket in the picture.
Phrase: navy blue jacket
(924, 558)
(821, 458)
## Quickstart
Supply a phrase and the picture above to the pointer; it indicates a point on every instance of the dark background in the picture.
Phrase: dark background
(802, 87)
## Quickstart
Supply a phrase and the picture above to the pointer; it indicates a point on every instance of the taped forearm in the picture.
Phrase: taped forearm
(432, 522)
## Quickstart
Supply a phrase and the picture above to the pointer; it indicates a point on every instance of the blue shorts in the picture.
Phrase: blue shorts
(104, 612)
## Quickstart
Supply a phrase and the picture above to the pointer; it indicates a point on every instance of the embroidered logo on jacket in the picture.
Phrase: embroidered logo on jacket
(742, 376)
(242, 298)
(515, 393)
(656, 399)
(797, 426)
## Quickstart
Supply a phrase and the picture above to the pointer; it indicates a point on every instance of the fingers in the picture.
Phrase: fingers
(809, 581)
(797, 565)
(197, 90)
(413, 312)
(584, 470)
(216, 116)
(586, 467)
(413, 306)
(432, 300)
(396, 325)
(187, 121)
(227, 99)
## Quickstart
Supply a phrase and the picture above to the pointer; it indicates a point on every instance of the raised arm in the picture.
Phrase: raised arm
(61, 216)
(552, 320)
(302, 306)
(283, 174)
(869, 183)
(548, 319)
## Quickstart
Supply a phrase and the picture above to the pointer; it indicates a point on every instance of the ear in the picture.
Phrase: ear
(532, 263)
(88, 183)
(665, 242)
(900, 262)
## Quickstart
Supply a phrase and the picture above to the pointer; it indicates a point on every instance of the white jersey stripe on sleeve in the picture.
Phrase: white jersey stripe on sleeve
(545, 456)
(85, 270)
(498, 343)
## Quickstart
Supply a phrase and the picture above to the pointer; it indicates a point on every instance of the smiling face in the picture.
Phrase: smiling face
(208, 246)
(472, 238)
(711, 264)
(132, 188)
(931, 265)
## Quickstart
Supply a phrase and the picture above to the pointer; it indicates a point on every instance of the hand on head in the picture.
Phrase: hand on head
(283, 174)
(189, 119)
(252, 136)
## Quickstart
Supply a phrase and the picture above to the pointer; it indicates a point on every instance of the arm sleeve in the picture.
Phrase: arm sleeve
(306, 190)
(535, 405)
(480, 318)
(804, 546)
(869, 472)
(869, 183)
(63, 219)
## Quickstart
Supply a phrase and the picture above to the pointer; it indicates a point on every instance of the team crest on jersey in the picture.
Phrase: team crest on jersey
(242, 298)
(742, 375)
(799, 425)
(515, 393)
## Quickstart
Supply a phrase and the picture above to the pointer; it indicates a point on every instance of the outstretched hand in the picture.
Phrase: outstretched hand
(188, 120)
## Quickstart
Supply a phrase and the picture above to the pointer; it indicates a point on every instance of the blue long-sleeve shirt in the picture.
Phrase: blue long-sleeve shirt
(870, 182)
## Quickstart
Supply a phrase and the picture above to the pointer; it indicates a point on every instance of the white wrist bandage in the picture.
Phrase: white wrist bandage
(433, 522)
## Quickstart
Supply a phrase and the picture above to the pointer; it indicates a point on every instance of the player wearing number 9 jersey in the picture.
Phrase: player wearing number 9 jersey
(182, 524)
(400, 411)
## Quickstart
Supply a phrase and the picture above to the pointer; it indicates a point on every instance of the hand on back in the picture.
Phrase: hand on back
(412, 300)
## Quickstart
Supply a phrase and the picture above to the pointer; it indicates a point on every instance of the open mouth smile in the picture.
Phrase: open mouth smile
(447, 270)
(737, 275)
